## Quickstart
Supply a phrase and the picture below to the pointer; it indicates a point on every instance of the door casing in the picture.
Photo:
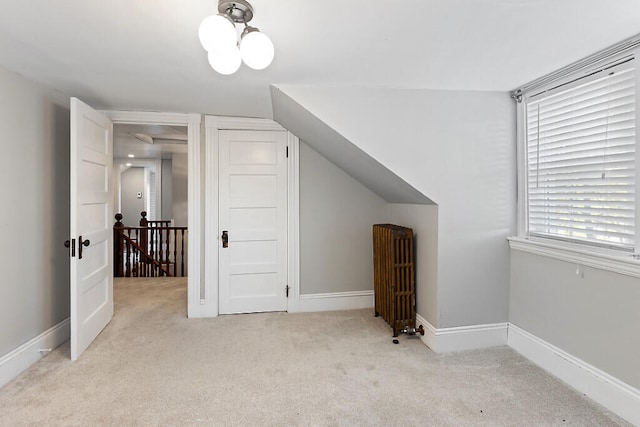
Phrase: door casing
(210, 289)
(194, 191)
(202, 300)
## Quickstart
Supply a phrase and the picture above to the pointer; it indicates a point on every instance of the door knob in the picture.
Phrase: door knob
(82, 243)
(225, 239)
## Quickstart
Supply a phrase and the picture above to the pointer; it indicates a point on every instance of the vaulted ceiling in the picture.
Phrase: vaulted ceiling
(145, 55)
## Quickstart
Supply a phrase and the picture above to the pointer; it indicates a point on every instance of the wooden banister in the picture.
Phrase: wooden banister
(118, 247)
(152, 249)
(147, 259)
(144, 222)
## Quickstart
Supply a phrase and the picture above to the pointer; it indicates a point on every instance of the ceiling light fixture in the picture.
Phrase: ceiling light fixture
(219, 38)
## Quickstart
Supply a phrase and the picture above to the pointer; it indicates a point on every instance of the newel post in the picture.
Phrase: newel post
(118, 247)
(144, 236)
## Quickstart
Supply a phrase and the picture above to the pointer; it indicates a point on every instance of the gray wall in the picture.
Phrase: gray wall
(131, 182)
(167, 190)
(423, 219)
(458, 149)
(594, 316)
(179, 196)
(179, 189)
(336, 216)
(34, 172)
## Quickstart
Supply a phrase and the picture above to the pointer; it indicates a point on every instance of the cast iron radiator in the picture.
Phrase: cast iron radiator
(394, 277)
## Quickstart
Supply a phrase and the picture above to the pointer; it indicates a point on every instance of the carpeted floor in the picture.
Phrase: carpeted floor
(154, 367)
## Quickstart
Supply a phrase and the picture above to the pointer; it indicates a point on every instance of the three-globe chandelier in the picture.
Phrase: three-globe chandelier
(219, 38)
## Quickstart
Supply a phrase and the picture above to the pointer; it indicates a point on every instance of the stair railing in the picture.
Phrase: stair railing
(151, 250)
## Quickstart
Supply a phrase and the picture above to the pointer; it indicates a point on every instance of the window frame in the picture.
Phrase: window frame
(616, 260)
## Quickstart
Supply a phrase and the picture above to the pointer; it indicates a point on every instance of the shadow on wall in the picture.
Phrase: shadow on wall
(59, 188)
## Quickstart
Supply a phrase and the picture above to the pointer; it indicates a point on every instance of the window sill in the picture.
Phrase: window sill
(622, 264)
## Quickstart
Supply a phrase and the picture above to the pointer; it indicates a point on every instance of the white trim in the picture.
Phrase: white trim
(196, 300)
(603, 388)
(246, 123)
(336, 301)
(212, 234)
(582, 67)
(194, 192)
(15, 362)
(147, 117)
(626, 265)
(445, 340)
(521, 169)
(615, 395)
(293, 181)
(636, 248)
(429, 337)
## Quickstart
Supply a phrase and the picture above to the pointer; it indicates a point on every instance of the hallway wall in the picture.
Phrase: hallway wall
(179, 184)
(34, 172)
(132, 182)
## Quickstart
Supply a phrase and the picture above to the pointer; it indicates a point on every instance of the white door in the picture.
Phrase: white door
(253, 219)
(91, 225)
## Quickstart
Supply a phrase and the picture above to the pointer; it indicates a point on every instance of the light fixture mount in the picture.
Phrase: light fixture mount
(240, 11)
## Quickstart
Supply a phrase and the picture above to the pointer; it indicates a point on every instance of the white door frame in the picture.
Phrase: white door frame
(195, 305)
(213, 124)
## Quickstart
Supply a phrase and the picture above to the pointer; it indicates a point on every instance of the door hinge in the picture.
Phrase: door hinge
(287, 151)
(287, 289)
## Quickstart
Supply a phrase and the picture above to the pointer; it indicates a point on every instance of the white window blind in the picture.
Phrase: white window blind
(581, 155)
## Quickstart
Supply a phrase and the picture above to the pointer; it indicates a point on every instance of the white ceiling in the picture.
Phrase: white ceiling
(167, 140)
(145, 55)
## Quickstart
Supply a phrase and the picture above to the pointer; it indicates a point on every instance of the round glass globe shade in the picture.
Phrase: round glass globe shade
(217, 32)
(256, 50)
(225, 61)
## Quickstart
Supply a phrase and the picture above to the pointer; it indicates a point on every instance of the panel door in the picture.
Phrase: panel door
(253, 220)
(91, 213)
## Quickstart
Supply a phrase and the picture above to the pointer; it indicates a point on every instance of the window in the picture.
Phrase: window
(580, 154)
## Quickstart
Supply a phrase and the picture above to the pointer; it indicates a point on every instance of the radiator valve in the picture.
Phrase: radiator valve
(412, 331)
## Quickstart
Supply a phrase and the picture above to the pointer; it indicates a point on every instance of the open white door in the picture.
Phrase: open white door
(91, 225)
(253, 217)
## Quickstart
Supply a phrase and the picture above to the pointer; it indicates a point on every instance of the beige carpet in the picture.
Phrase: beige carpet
(153, 367)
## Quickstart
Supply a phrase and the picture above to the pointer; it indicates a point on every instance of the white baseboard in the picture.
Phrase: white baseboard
(15, 362)
(202, 311)
(610, 392)
(461, 338)
(603, 388)
(336, 301)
